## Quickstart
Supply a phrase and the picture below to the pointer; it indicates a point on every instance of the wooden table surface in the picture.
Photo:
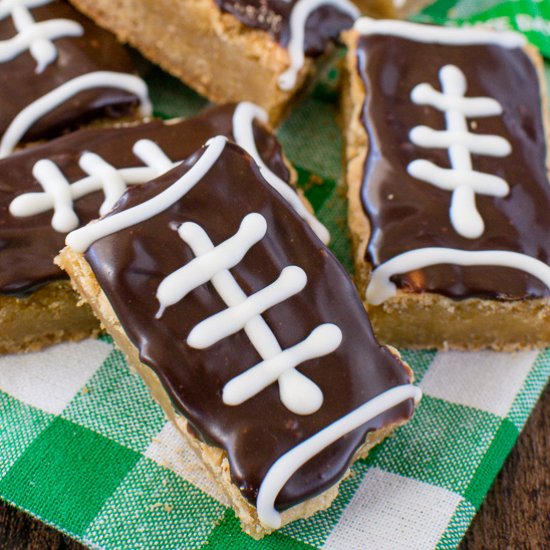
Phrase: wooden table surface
(515, 515)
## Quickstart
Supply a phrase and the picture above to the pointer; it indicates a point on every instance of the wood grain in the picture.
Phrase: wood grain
(515, 515)
(516, 512)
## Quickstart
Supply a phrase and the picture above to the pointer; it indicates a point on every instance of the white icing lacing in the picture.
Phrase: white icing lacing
(37, 37)
(212, 263)
(298, 17)
(439, 35)
(82, 238)
(243, 132)
(461, 179)
(42, 106)
(381, 288)
(286, 466)
(60, 195)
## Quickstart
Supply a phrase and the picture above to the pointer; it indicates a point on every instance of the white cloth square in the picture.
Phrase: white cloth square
(487, 380)
(50, 379)
(392, 512)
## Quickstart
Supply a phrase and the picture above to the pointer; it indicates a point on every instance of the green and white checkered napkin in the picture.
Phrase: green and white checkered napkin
(84, 448)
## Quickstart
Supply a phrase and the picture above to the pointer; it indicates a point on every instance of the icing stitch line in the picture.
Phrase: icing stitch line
(212, 263)
(7, 5)
(60, 195)
(439, 35)
(461, 179)
(298, 18)
(81, 239)
(286, 466)
(243, 132)
(37, 109)
(37, 37)
(381, 288)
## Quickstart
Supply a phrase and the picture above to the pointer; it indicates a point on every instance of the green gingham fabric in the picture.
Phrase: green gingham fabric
(84, 448)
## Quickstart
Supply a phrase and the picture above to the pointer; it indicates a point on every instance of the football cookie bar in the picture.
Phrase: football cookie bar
(230, 50)
(59, 71)
(48, 190)
(448, 185)
(248, 331)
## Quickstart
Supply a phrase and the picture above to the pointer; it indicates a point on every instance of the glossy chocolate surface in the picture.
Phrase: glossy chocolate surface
(273, 16)
(130, 265)
(95, 50)
(29, 245)
(406, 213)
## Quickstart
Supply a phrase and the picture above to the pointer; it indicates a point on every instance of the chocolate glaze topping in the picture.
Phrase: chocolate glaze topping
(95, 50)
(130, 265)
(28, 245)
(273, 16)
(406, 213)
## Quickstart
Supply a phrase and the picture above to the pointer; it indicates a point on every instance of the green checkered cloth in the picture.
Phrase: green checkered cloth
(84, 448)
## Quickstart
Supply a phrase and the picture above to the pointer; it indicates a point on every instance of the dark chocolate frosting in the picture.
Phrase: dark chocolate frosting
(273, 16)
(130, 265)
(406, 213)
(95, 50)
(28, 245)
